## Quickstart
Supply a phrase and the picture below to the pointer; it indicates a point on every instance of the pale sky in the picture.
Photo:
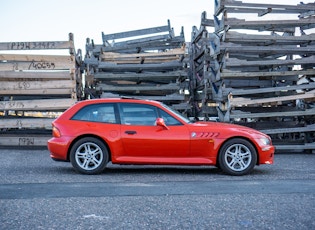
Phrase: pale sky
(42, 20)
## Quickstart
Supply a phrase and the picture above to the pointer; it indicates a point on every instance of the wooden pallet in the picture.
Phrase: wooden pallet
(35, 88)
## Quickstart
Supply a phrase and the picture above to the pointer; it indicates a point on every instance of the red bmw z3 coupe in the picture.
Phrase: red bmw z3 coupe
(130, 131)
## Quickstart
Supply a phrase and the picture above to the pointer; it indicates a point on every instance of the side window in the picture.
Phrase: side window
(97, 113)
(168, 119)
(137, 114)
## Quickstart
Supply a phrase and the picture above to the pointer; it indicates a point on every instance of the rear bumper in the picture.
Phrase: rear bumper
(58, 148)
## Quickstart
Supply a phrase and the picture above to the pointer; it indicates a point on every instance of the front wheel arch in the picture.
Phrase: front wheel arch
(245, 147)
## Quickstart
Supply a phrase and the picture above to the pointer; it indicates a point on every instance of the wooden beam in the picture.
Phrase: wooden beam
(37, 105)
(31, 85)
(308, 112)
(136, 88)
(6, 75)
(247, 101)
(233, 62)
(33, 65)
(36, 58)
(237, 92)
(308, 128)
(24, 140)
(40, 45)
(26, 123)
(234, 74)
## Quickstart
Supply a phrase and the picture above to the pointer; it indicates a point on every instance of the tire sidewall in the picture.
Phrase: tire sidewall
(100, 144)
(225, 168)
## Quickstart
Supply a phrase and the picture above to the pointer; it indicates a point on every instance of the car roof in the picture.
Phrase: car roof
(116, 100)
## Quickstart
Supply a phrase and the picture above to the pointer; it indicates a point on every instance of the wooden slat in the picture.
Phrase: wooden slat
(36, 58)
(33, 65)
(6, 75)
(248, 101)
(151, 76)
(40, 45)
(308, 112)
(235, 92)
(234, 74)
(26, 123)
(37, 105)
(24, 140)
(30, 85)
(69, 92)
(128, 88)
(309, 128)
(295, 147)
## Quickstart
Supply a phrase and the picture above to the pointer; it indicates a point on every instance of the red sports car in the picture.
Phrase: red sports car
(129, 131)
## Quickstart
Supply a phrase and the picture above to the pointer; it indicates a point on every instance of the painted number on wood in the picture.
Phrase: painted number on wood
(26, 141)
(32, 45)
(41, 65)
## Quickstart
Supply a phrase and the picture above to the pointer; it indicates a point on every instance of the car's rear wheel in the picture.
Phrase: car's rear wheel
(237, 157)
(89, 156)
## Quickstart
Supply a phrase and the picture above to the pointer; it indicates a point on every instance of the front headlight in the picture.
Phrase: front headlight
(265, 141)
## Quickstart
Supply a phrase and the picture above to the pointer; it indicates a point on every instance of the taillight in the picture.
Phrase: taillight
(56, 132)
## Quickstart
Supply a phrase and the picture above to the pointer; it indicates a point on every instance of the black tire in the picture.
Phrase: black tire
(237, 157)
(89, 156)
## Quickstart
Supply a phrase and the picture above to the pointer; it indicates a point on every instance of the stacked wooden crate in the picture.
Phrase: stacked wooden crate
(147, 63)
(257, 72)
(35, 88)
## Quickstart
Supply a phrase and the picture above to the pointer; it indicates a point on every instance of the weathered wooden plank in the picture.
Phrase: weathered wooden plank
(173, 52)
(25, 123)
(37, 105)
(238, 92)
(140, 60)
(247, 101)
(233, 62)
(140, 32)
(309, 128)
(36, 58)
(244, 7)
(24, 140)
(235, 23)
(17, 75)
(267, 50)
(30, 85)
(69, 92)
(138, 88)
(150, 76)
(236, 114)
(174, 65)
(235, 37)
(296, 147)
(37, 45)
(234, 74)
(34, 65)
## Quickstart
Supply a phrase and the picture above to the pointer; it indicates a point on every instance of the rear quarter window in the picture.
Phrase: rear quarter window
(104, 113)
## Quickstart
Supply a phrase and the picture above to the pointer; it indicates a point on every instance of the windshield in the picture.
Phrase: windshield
(176, 113)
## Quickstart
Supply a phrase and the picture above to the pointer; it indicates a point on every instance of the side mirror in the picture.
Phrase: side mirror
(160, 122)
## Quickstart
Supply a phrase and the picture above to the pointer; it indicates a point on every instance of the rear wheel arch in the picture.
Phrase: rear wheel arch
(88, 135)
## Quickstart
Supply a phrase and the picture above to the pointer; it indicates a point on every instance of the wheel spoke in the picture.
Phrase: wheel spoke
(238, 157)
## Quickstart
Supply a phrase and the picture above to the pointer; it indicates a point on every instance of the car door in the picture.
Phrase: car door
(144, 141)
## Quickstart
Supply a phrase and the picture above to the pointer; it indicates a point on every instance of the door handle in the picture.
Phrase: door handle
(130, 132)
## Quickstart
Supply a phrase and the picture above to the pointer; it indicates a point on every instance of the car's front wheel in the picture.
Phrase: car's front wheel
(89, 155)
(237, 157)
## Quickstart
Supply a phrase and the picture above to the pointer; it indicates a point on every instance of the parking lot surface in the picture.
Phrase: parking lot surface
(39, 193)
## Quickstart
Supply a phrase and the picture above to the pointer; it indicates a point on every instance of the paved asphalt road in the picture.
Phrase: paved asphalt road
(38, 193)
